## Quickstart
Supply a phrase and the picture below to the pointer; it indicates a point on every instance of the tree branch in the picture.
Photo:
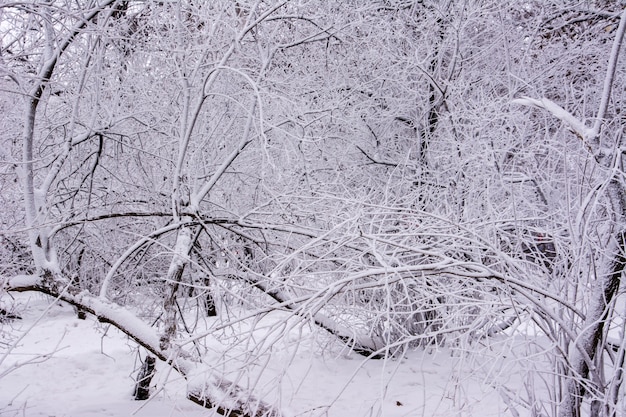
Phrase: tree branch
(226, 397)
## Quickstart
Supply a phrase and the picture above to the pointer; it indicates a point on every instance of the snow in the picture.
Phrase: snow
(88, 370)
(23, 281)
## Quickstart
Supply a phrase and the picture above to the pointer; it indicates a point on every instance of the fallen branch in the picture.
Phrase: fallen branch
(358, 346)
(225, 397)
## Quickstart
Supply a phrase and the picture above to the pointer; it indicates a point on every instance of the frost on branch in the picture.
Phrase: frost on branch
(577, 126)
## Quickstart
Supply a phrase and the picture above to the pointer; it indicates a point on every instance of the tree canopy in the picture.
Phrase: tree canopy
(394, 174)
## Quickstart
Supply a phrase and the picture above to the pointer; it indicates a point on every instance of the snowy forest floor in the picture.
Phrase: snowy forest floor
(82, 368)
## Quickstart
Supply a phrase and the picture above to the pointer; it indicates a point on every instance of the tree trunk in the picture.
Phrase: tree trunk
(142, 388)
(184, 244)
(587, 352)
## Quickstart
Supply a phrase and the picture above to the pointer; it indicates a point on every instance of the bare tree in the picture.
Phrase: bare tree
(360, 167)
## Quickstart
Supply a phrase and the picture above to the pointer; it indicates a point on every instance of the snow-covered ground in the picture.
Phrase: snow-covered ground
(82, 368)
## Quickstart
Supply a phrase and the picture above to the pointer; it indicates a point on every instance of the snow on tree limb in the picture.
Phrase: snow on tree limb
(228, 398)
(573, 123)
(225, 396)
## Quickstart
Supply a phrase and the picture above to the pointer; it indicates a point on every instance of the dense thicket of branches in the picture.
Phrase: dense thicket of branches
(397, 174)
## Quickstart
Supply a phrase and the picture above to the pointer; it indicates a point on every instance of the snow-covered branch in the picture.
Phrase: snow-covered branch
(225, 396)
(572, 122)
